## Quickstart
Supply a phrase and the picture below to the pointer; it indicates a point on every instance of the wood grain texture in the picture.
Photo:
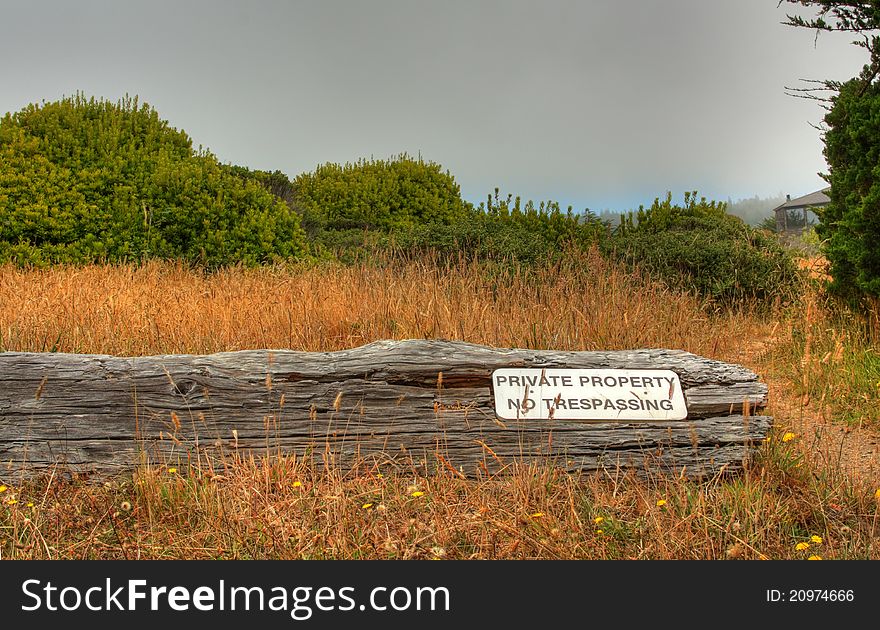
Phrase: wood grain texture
(98, 413)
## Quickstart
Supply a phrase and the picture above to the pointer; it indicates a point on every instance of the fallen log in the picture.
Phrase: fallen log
(412, 399)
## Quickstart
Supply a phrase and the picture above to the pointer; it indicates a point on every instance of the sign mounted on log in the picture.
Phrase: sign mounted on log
(588, 394)
(409, 398)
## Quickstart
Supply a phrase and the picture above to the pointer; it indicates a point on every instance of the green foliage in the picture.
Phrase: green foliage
(275, 182)
(768, 223)
(810, 239)
(88, 180)
(700, 248)
(377, 195)
(505, 230)
(850, 226)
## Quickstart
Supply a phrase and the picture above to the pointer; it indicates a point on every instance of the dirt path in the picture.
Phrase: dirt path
(853, 451)
(834, 447)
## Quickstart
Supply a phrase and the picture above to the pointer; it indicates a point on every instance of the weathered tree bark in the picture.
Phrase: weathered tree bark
(97, 413)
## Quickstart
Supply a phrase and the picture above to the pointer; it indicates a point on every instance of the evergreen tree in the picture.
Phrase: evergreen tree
(850, 226)
(850, 223)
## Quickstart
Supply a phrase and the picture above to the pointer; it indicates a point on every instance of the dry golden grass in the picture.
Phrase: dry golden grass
(816, 267)
(285, 507)
(830, 358)
(166, 308)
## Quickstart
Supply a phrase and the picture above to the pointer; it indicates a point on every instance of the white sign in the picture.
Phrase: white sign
(587, 394)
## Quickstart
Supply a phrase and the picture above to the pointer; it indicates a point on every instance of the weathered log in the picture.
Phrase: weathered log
(387, 399)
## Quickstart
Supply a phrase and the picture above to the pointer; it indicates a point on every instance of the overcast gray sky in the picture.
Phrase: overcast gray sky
(594, 103)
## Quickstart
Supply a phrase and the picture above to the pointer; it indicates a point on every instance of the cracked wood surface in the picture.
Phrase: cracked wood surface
(98, 413)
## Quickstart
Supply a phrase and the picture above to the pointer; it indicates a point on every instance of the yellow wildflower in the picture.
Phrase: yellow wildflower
(600, 531)
(537, 515)
(788, 437)
(12, 501)
(802, 545)
(661, 502)
(417, 494)
(814, 558)
(598, 519)
(4, 489)
(171, 471)
(297, 484)
(817, 540)
(366, 506)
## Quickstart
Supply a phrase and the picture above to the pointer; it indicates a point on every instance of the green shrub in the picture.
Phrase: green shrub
(699, 247)
(377, 195)
(505, 230)
(88, 180)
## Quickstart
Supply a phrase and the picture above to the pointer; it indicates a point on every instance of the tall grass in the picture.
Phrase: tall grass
(830, 356)
(158, 308)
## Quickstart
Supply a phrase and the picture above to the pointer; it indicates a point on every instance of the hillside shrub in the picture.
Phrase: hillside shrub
(506, 230)
(698, 247)
(86, 180)
(377, 195)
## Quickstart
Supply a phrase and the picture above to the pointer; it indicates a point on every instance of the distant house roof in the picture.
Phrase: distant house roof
(818, 198)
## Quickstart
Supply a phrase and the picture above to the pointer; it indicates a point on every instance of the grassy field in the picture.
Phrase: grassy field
(157, 308)
(787, 504)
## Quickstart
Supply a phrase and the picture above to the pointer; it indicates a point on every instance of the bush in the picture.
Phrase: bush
(505, 230)
(699, 247)
(377, 195)
(88, 180)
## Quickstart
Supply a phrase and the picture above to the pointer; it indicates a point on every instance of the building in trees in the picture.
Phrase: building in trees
(799, 214)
